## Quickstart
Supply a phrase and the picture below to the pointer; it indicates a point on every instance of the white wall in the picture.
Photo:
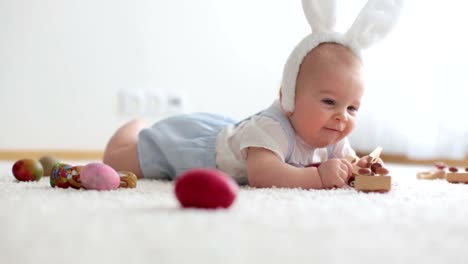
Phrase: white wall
(64, 62)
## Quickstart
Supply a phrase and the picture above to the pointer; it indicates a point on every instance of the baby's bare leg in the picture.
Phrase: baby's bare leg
(121, 152)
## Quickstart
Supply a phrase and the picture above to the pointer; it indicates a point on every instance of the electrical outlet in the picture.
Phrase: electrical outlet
(154, 103)
(176, 102)
(131, 102)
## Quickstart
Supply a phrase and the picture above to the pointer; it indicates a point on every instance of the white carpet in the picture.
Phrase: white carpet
(417, 222)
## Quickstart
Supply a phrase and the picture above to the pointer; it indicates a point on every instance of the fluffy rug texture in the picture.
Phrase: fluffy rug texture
(418, 221)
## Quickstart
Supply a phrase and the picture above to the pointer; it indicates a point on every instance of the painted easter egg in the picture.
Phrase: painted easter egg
(74, 176)
(59, 175)
(205, 188)
(27, 170)
(99, 176)
(47, 163)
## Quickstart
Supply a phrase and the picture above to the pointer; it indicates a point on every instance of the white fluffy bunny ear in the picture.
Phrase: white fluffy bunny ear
(374, 22)
(320, 14)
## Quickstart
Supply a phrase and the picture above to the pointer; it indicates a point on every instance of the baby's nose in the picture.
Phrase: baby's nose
(341, 116)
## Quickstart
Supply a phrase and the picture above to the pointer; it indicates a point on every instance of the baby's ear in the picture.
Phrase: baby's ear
(374, 22)
(320, 14)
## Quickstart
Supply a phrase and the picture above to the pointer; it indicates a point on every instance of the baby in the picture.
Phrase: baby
(300, 141)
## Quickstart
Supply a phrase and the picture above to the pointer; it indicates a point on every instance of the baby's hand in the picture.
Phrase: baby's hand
(376, 166)
(334, 173)
(366, 161)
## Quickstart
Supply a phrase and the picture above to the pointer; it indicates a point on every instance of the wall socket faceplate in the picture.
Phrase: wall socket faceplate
(148, 102)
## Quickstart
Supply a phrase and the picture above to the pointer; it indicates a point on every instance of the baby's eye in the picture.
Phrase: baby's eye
(352, 108)
(328, 101)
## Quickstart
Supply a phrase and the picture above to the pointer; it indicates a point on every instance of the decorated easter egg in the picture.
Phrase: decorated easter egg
(47, 163)
(27, 170)
(205, 188)
(59, 175)
(64, 175)
(73, 176)
(99, 176)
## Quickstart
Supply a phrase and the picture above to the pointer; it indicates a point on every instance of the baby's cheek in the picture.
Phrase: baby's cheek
(351, 125)
(349, 128)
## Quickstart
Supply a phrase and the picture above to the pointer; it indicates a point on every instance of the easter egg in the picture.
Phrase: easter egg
(73, 176)
(64, 175)
(47, 163)
(99, 176)
(58, 175)
(27, 170)
(205, 188)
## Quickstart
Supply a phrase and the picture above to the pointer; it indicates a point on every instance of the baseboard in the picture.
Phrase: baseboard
(403, 159)
(60, 154)
(97, 155)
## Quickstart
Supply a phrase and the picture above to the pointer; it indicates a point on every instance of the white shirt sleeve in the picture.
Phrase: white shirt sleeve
(258, 131)
(262, 132)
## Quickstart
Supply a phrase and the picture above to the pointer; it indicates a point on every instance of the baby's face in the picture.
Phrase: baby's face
(329, 88)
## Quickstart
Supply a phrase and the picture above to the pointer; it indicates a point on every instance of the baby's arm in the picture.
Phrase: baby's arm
(266, 169)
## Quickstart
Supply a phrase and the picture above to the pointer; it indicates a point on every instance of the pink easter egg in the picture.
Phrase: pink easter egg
(205, 188)
(99, 176)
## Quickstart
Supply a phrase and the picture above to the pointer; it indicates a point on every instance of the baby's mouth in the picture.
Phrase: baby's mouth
(333, 129)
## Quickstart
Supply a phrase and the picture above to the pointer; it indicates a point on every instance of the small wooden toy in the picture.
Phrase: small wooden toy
(205, 188)
(366, 183)
(439, 173)
(452, 175)
(127, 179)
(27, 170)
(431, 175)
(370, 178)
(457, 177)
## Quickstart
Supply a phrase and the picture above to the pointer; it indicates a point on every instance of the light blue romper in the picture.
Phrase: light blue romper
(176, 144)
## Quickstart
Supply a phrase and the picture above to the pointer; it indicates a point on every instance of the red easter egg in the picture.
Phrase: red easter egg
(27, 170)
(205, 188)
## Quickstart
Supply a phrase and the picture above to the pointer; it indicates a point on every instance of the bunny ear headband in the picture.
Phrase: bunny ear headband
(373, 23)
